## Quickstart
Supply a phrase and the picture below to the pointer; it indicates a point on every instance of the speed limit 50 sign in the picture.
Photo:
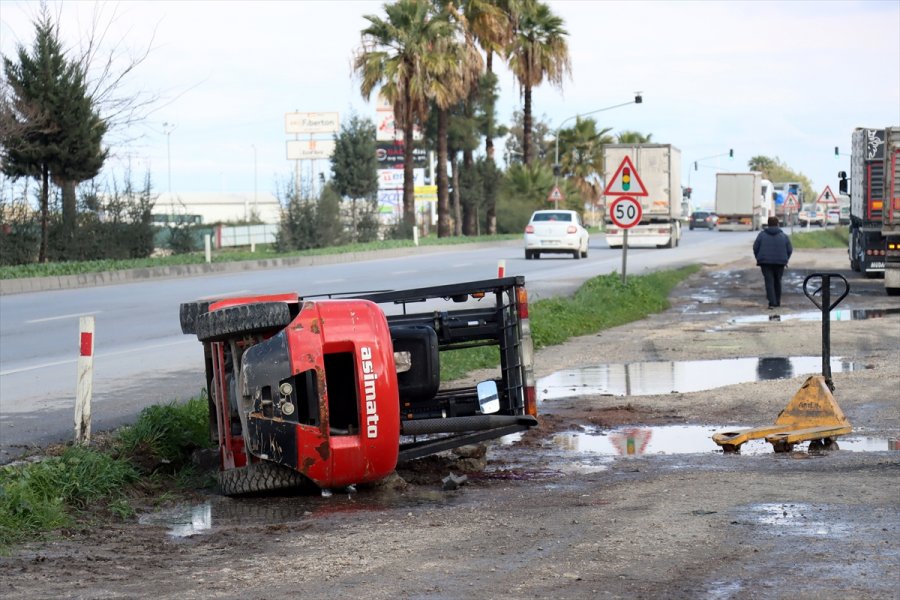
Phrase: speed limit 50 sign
(625, 212)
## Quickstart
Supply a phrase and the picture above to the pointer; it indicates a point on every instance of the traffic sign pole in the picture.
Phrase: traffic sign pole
(625, 213)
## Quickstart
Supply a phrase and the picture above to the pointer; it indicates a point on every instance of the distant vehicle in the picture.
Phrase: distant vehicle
(744, 201)
(556, 232)
(701, 219)
(833, 216)
(811, 214)
(658, 168)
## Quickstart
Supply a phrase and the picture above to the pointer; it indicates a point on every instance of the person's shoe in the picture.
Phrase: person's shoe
(772, 307)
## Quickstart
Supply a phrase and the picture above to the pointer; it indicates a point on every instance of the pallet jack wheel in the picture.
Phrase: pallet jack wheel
(731, 448)
(830, 444)
(782, 447)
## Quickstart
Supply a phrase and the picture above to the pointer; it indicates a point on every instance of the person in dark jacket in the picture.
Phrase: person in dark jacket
(772, 250)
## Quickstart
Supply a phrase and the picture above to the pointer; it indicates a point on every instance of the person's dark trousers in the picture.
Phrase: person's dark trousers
(772, 276)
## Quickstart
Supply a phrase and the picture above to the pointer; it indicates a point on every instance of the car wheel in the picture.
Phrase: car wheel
(690, 227)
(584, 253)
(528, 255)
(576, 254)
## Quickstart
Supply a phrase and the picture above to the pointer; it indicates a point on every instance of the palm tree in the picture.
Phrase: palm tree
(394, 55)
(453, 68)
(538, 51)
(633, 137)
(581, 155)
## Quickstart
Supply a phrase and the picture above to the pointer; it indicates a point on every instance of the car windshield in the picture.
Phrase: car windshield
(552, 216)
(701, 215)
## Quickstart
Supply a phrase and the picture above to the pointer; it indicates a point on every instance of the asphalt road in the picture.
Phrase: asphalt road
(142, 358)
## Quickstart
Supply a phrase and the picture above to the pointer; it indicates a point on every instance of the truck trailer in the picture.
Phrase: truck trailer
(890, 228)
(659, 169)
(866, 246)
(335, 390)
(744, 201)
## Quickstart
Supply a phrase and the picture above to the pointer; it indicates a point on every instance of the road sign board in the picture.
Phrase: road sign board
(312, 122)
(625, 181)
(555, 195)
(791, 202)
(625, 212)
(827, 196)
(310, 149)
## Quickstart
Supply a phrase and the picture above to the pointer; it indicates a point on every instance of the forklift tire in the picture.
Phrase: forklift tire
(188, 313)
(242, 319)
(259, 477)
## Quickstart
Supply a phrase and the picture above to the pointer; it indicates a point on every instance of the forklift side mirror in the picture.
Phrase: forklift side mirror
(488, 397)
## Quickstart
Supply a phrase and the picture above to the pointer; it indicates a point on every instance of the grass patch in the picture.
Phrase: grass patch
(837, 237)
(226, 255)
(600, 303)
(93, 481)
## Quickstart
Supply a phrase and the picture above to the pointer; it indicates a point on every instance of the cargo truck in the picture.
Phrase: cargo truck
(744, 201)
(335, 391)
(866, 246)
(659, 168)
(783, 192)
(890, 228)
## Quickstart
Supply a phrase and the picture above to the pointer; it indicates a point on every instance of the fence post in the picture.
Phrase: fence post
(85, 382)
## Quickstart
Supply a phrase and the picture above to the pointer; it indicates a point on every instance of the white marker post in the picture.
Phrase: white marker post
(85, 383)
(207, 247)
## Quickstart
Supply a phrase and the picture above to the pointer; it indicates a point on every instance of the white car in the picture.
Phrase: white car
(556, 232)
(833, 216)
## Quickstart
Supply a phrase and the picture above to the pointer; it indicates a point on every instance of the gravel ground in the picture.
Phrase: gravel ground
(546, 516)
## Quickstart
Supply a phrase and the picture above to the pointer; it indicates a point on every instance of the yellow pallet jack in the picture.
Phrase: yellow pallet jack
(812, 414)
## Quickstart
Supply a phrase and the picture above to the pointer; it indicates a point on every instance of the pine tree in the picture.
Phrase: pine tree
(49, 127)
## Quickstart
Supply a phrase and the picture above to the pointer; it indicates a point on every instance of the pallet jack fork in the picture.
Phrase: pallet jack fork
(812, 414)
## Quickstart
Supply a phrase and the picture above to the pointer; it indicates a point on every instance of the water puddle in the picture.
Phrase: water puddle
(854, 314)
(684, 439)
(669, 377)
(188, 520)
(799, 519)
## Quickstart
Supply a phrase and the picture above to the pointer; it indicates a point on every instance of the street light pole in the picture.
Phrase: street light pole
(168, 128)
(638, 99)
(255, 171)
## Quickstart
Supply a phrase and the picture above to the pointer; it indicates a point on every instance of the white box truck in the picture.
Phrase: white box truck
(744, 201)
(659, 168)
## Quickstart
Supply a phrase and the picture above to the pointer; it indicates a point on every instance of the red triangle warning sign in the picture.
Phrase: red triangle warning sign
(625, 181)
(555, 194)
(827, 196)
(791, 202)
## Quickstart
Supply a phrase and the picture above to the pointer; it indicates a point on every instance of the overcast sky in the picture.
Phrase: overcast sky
(785, 79)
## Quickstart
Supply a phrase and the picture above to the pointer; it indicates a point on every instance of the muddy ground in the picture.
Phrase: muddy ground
(549, 515)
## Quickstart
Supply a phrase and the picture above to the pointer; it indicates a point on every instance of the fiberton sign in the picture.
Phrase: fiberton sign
(312, 122)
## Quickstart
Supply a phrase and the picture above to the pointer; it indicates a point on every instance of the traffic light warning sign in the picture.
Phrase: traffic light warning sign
(827, 196)
(791, 203)
(625, 181)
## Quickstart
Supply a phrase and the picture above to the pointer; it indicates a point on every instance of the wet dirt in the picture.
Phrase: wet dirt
(548, 515)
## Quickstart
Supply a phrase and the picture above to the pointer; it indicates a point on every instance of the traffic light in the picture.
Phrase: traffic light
(835, 151)
(687, 193)
(730, 153)
(556, 170)
(695, 165)
(626, 179)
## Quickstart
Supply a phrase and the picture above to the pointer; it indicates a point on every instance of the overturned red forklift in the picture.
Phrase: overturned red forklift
(337, 389)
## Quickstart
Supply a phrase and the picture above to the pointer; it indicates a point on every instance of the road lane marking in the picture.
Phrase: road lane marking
(330, 281)
(404, 272)
(97, 356)
(61, 317)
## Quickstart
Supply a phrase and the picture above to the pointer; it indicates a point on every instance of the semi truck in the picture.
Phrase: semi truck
(659, 168)
(890, 228)
(335, 390)
(866, 245)
(744, 201)
(783, 191)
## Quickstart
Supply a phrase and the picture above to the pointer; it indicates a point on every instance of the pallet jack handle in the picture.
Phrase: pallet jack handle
(826, 307)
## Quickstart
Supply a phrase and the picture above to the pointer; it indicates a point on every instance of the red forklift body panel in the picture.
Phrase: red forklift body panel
(359, 407)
